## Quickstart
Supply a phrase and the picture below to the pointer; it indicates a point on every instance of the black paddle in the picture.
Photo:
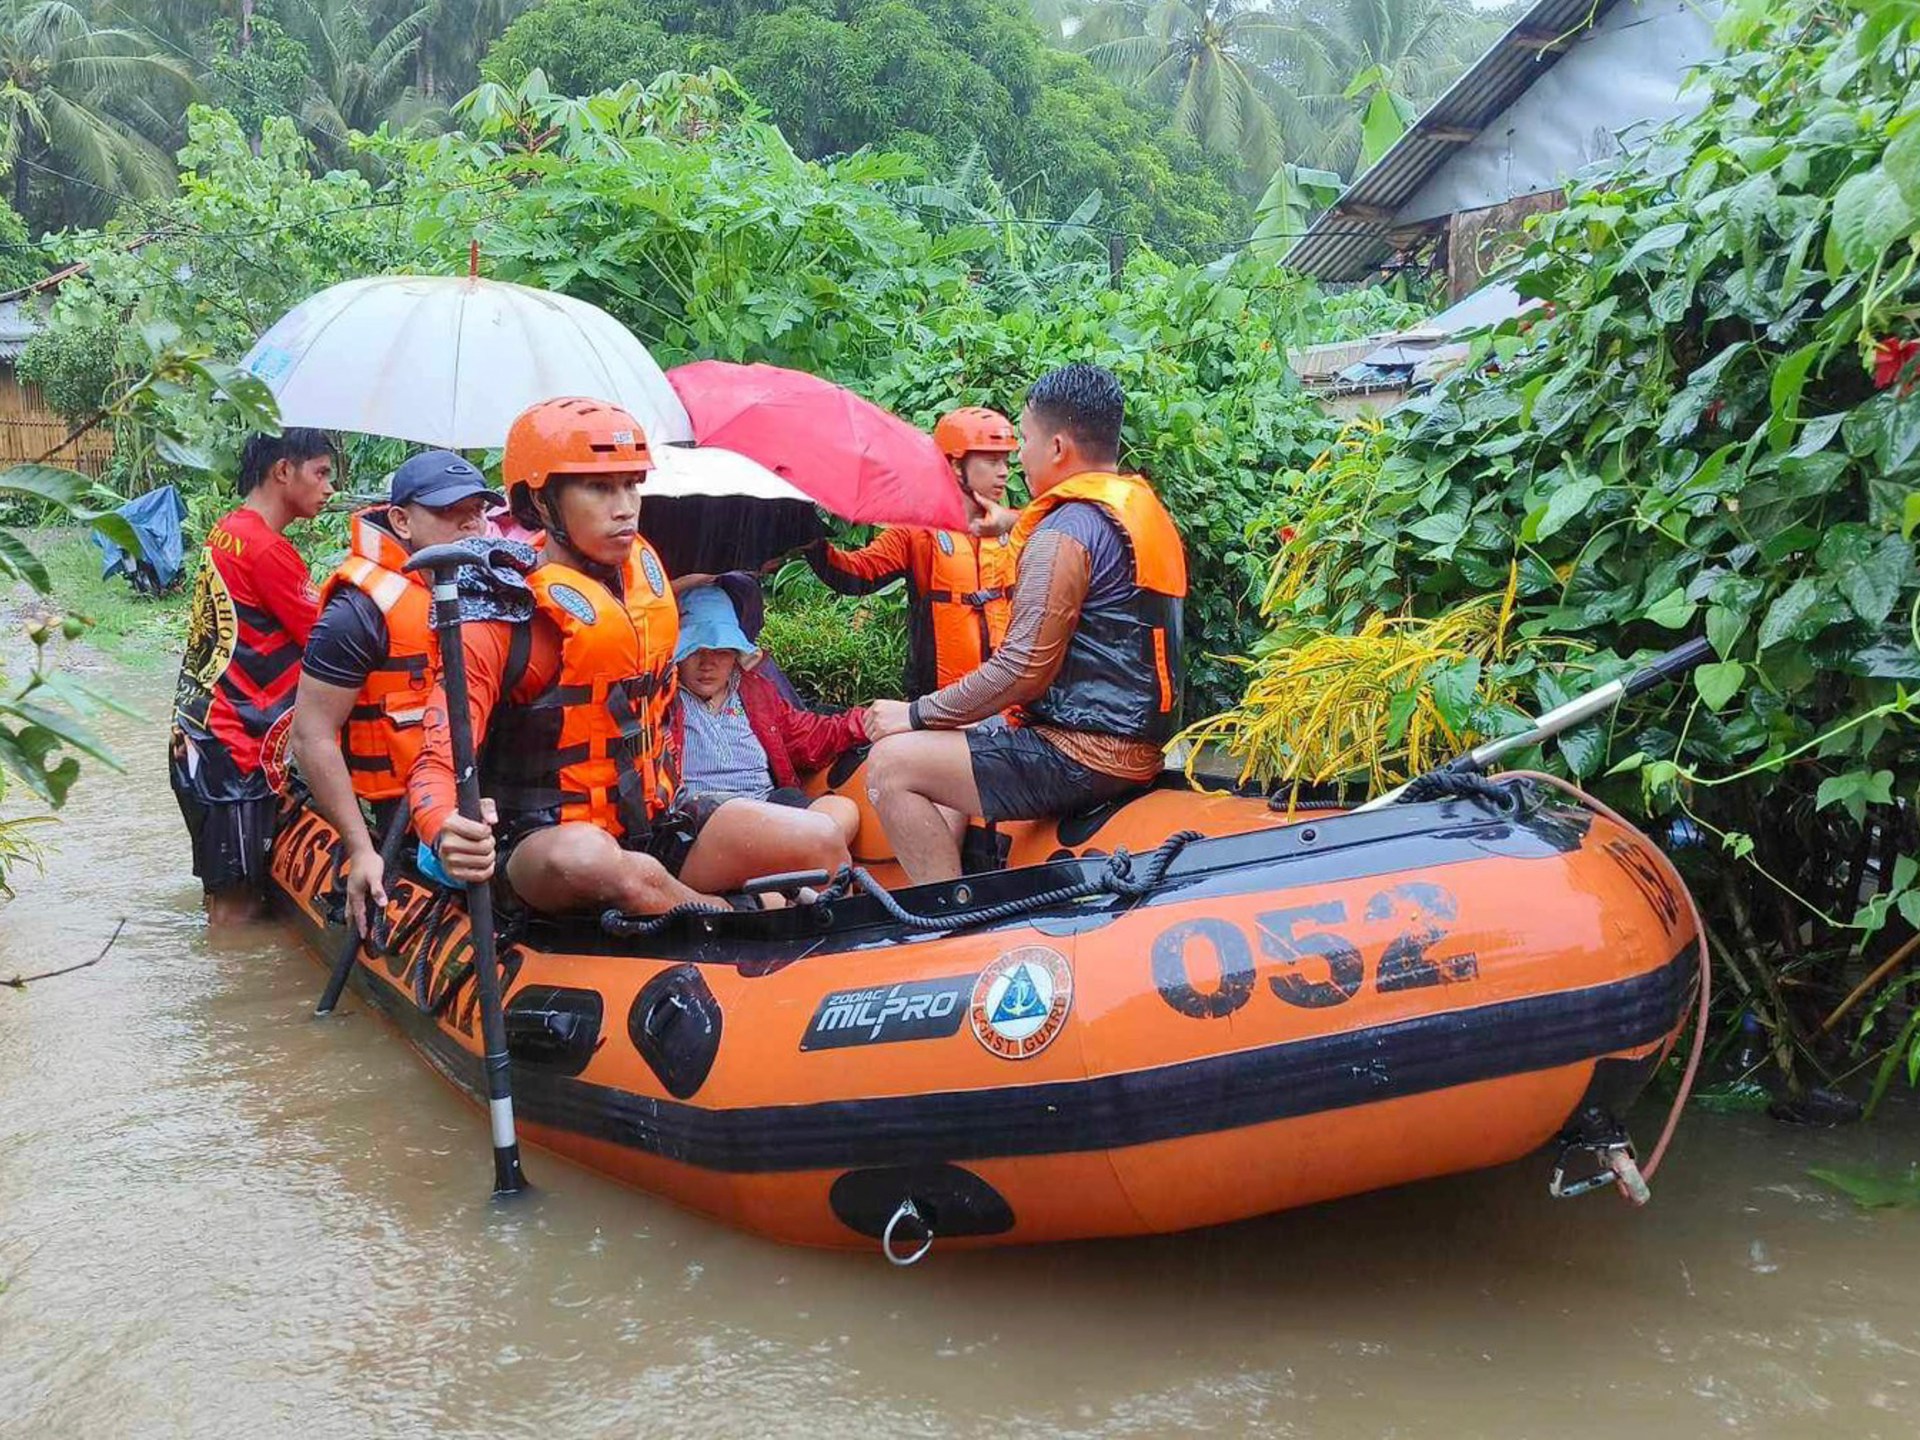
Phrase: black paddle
(1577, 711)
(446, 562)
(350, 948)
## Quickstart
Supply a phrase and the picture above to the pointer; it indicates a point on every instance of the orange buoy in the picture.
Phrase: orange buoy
(1300, 1008)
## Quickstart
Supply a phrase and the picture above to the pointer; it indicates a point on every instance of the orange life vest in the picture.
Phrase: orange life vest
(1123, 666)
(593, 747)
(383, 734)
(959, 596)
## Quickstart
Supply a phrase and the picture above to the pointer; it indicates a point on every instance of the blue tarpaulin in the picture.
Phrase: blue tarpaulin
(155, 518)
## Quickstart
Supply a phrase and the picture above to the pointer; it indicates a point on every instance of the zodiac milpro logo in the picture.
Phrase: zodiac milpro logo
(881, 1014)
(1020, 1002)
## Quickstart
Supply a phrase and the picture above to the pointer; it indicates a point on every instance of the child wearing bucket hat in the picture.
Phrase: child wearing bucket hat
(736, 734)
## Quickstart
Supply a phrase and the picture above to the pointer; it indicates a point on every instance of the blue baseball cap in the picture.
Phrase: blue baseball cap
(437, 479)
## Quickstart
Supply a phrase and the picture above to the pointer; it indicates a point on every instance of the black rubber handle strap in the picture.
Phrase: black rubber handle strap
(1670, 666)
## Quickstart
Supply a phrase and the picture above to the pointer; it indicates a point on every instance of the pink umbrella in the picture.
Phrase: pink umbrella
(846, 453)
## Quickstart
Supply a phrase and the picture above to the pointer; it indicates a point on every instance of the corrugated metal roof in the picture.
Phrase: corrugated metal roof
(1346, 241)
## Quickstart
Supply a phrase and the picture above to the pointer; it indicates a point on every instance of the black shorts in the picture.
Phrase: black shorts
(1022, 777)
(670, 838)
(230, 838)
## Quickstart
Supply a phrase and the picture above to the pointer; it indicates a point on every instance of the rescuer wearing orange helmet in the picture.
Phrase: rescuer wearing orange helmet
(571, 706)
(959, 586)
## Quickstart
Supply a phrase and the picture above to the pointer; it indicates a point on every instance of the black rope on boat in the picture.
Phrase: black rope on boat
(1504, 797)
(623, 926)
(1116, 877)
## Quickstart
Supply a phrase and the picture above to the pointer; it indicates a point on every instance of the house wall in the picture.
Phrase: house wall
(1622, 76)
(28, 430)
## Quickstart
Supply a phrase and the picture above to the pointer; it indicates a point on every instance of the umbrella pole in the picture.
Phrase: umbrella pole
(507, 1176)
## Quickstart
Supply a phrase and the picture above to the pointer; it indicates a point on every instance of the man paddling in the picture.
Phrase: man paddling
(371, 661)
(571, 707)
(253, 606)
(958, 583)
(1092, 654)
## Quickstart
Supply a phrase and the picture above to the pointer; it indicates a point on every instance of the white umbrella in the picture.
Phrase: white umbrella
(680, 471)
(451, 360)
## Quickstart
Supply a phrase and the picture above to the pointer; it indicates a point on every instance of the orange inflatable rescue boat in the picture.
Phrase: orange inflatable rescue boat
(1251, 1011)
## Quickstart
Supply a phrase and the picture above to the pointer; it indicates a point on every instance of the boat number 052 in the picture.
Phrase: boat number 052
(1205, 968)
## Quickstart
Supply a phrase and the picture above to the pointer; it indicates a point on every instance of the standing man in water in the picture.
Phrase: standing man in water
(253, 607)
(1092, 656)
(373, 660)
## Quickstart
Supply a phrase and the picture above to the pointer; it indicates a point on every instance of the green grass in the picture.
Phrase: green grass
(141, 632)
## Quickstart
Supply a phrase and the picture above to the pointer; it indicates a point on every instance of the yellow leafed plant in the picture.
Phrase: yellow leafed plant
(1386, 698)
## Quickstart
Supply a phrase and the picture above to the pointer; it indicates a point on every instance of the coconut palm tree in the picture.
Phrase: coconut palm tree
(1338, 59)
(1211, 58)
(360, 76)
(87, 102)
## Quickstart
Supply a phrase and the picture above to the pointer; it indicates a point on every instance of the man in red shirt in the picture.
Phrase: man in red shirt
(253, 606)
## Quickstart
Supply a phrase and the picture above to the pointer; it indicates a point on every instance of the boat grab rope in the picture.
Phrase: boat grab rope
(1702, 1000)
(1116, 877)
(1504, 796)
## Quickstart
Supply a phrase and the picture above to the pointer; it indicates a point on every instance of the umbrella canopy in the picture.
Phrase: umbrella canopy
(451, 360)
(848, 454)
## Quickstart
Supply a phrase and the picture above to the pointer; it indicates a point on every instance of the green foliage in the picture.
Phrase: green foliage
(265, 79)
(248, 237)
(838, 651)
(932, 78)
(86, 100)
(21, 262)
(1704, 432)
(584, 46)
(1873, 1189)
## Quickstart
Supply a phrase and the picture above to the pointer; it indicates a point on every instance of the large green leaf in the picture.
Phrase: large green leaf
(19, 562)
(1869, 569)
(1801, 612)
(66, 488)
(1566, 504)
(1719, 683)
(1869, 214)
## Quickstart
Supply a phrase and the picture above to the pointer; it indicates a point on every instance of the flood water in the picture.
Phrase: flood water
(220, 1216)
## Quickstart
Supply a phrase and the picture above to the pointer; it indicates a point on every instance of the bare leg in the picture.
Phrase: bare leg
(582, 867)
(844, 813)
(910, 779)
(746, 839)
(239, 905)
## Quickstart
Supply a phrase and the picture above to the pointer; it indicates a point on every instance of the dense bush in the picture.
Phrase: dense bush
(1710, 428)
(838, 651)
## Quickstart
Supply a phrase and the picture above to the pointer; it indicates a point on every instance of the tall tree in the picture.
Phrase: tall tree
(1344, 66)
(85, 101)
(1209, 57)
(359, 73)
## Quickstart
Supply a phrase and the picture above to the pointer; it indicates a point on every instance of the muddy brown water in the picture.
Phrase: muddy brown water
(222, 1217)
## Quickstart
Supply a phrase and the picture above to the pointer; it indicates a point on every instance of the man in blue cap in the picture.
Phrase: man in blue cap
(372, 660)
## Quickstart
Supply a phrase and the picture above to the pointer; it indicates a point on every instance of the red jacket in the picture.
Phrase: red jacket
(796, 741)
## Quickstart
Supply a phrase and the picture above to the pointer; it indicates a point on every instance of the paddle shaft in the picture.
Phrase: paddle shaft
(507, 1175)
(390, 844)
(1577, 711)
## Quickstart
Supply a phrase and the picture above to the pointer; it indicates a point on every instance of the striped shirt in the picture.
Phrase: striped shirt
(723, 756)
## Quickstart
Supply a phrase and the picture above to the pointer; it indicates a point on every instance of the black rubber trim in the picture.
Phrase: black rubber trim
(1198, 1097)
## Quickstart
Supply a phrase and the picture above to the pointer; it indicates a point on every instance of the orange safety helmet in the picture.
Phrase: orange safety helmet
(571, 437)
(961, 432)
